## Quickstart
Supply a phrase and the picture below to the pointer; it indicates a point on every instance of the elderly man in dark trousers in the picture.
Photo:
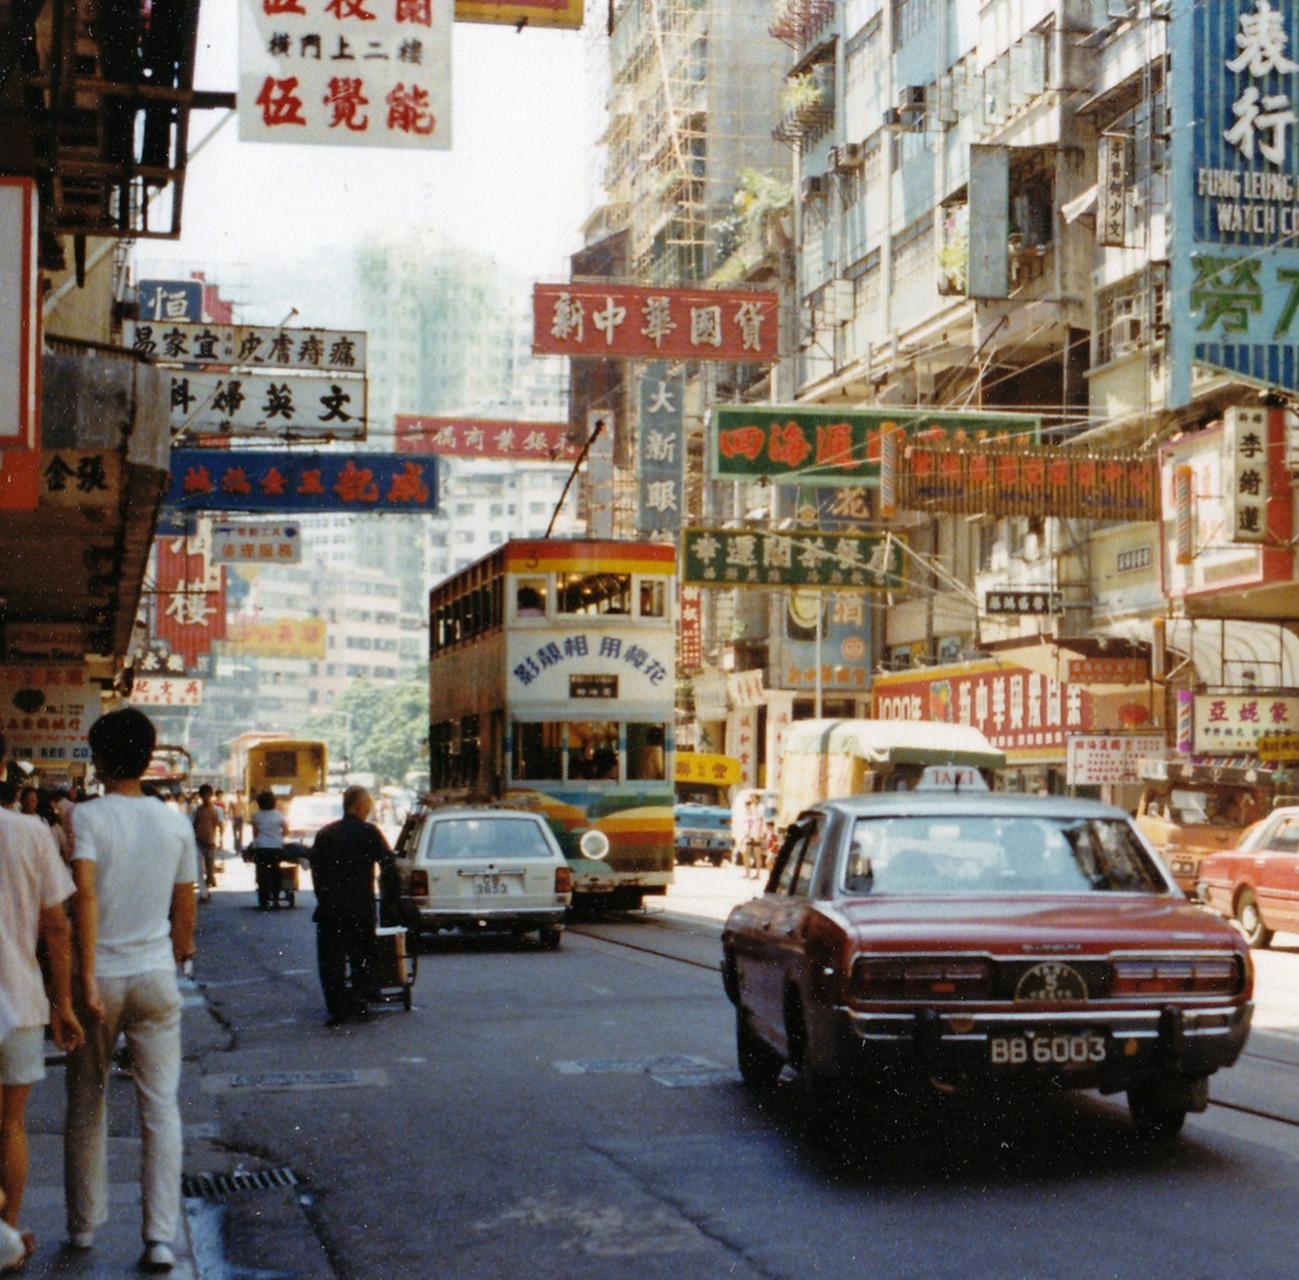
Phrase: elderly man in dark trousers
(343, 861)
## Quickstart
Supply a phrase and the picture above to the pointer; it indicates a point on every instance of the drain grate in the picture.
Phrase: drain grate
(293, 1079)
(203, 1186)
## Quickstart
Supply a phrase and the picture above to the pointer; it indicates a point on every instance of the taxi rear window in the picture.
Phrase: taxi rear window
(983, 854)
(486, 838)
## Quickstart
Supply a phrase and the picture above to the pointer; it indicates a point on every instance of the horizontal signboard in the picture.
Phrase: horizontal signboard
(248, 346)
(1013, 479)
(795, 445)
(1229, 724)
(268, 480)
(703, 766)
(264, 404)
(268, 543)
(283, 638)
(1109, 670)
(1109, 759)
(737, 558)
(521, 13)
(485, 438)
(616, 320)
(45, 712)
(163, 691)
(1030, 601)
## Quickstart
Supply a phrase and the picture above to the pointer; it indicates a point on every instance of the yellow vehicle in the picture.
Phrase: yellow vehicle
(284, 766)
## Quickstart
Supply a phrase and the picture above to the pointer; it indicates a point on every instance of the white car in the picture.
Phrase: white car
(307, 814)
(482, 869)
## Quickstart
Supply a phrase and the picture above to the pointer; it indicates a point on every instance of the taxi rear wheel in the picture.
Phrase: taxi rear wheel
(1257, 934)
(760, 1064)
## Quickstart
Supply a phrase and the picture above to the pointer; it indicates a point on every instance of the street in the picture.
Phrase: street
(577, 1113)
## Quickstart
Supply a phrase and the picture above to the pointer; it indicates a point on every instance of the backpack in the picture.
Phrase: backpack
(207, 823)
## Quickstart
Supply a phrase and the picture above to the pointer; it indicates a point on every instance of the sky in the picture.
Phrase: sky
(516, 185)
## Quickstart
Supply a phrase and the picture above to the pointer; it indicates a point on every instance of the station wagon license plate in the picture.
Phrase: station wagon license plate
(491, 884)
(1047, 1049)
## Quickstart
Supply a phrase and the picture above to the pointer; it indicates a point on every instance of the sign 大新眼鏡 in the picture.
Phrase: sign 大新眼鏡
(738, 558)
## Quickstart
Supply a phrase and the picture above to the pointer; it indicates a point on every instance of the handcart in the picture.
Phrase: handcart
(277, 877)
(395, 966)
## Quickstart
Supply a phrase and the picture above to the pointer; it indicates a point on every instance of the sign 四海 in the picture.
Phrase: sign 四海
(358, 73)
(792, 444)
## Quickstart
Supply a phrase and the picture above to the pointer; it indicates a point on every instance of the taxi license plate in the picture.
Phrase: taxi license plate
(487, 885)
(1047, 1049)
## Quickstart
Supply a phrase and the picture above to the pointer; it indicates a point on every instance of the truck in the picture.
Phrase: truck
(830, 759)
(280, 764)
(703, 783)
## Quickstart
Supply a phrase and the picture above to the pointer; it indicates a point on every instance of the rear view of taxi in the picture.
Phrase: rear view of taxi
(978, 941)
(480, 870)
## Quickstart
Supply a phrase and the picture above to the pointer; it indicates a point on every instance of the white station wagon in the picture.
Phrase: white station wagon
(480, 870)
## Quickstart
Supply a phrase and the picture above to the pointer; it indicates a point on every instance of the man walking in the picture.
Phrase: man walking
(34, 884)
(207, 821)
(343, 860)
(134, 865)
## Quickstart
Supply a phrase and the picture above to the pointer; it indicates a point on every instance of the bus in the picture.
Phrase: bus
(552, 680)
(282, 765)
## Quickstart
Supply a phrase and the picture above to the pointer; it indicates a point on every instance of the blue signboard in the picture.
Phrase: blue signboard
(175, 300)
(1235, 210)
(277, 481)
(662, 449)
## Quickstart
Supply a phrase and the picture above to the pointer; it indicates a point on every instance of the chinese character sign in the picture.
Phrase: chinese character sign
(164, 691)
(1233, 724)
(257, 543)
(540, 664)
(1245, 472)
(367, 73)
(261, 480)
(178, 342)
(662, 449)
(190, 602)
(692, 629)
(45, 712)
(485, 438)
(737, 558)
(1234, 264)
(514, 13)
(791, 444)
(1109, 760)
(169, 301)
(268, 405)
(614, 320)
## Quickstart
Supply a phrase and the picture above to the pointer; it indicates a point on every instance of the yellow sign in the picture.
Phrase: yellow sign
(698, 766)
(1275, 746)
(289, 638)
(520, 13)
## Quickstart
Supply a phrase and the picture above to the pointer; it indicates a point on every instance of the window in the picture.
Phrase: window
(592, 750)
(646, 760)
(530, 598)
(595, 593)
(538, 754)
(653, 598)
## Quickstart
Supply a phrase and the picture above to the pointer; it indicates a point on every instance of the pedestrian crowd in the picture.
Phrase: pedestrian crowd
(97, 911)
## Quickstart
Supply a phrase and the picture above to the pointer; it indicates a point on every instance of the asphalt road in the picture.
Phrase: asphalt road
(577, 1114)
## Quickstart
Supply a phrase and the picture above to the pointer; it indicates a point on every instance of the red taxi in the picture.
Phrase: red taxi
(1257, 882)
(974, 940)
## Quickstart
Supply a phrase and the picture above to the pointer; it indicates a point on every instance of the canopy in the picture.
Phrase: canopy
(895, 742)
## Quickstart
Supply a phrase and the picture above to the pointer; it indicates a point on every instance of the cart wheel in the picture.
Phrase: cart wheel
(290, 899)
(405, 998)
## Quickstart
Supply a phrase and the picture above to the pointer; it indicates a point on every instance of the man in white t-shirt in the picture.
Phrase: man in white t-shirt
(34, 884)
(134, 864)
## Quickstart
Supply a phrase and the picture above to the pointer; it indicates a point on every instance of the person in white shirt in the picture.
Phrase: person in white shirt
(34, 884)
(134, 863)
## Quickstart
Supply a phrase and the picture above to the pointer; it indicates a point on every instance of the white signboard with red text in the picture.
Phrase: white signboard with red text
(1098, 760)
(1232, 724)
(46, 711)
(355, 73)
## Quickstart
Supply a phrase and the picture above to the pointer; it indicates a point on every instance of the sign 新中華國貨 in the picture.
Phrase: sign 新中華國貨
(791, 444)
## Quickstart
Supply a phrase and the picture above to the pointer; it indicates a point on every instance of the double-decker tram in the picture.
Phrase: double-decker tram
(552, 679)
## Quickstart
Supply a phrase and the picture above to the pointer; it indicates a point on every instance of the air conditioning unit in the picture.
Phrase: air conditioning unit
(893, 120)
(852, 155)
(1125, 335)
(911, 101)
(816, 187)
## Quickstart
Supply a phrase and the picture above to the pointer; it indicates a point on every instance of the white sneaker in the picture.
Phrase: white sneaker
(157, 1258)
(81, 1239)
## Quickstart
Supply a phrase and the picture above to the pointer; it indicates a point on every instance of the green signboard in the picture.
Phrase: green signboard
(842, 561)
(795, 445)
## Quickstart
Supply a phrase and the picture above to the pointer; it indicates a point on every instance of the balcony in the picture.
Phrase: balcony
(801, 22)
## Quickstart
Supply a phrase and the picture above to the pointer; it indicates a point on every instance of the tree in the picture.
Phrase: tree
(376, 728)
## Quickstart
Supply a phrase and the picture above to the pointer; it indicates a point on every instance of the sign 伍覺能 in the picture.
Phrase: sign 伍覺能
(737, 558)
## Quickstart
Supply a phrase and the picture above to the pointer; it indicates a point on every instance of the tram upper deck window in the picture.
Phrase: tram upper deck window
(653, 598)
(530, 598)
(592, 750)
(594, 593)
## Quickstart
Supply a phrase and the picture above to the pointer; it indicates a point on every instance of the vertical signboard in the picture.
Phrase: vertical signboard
(20, 342)
(662, 449)
(1234, 84)
(1246, 473)
(368, 73)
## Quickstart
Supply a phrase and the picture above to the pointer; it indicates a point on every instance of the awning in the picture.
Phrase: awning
(1080, 205)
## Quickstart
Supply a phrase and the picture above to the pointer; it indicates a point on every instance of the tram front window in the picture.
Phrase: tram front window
(646, 761)
(594, 593)
(592, 750)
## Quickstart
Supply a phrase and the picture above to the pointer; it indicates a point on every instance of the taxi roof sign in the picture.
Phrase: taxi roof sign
(951, 777)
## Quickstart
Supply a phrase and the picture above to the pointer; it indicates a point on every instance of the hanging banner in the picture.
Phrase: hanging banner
(189, 611)
(45, 712)
(736, 558)
(661, 505)
(485, 438)
(326, 406)
(356, 73)
(247, 346)
(269, 480)
(1029, 480)
(622, 320)
(790, 444)
(692, 629)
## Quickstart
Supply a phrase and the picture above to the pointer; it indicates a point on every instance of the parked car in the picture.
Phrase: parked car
(976, 940)
(1257, 883)
(703, 833)
(482, 869)
(307, 814)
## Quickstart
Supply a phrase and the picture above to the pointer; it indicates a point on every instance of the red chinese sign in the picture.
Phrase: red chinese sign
(1108, 670)
(628, 321)
(1029, 480)
(485, 438)
(692, 629)
(1024, 713)
(190, 605)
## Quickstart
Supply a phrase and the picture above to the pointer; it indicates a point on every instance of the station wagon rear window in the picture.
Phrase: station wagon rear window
(486, 838)
(950, 854)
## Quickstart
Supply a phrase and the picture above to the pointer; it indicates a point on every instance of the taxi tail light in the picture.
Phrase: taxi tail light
(419, 884)
(1199, 976)
(563, 880)
(921, 978)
